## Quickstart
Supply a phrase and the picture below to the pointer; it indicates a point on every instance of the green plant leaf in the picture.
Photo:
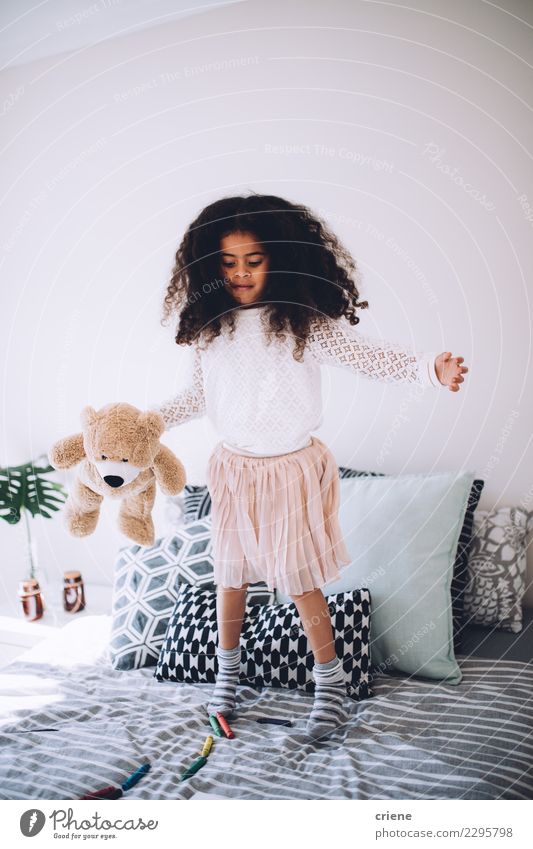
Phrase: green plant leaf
(26, 487)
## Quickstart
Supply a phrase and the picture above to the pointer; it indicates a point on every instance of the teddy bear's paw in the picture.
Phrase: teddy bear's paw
(81, 524)
(141, 531)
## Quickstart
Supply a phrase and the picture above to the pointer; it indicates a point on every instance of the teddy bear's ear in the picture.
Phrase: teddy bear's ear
(152, 423)
(88, 417)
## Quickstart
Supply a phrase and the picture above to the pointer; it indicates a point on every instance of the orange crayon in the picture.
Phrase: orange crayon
(224, 725)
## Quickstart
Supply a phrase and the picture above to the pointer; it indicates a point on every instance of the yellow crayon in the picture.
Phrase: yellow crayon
(207, 746)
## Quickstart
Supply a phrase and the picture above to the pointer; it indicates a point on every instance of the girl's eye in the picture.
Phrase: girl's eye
(124, 461)
(104, 457)
(252, 264)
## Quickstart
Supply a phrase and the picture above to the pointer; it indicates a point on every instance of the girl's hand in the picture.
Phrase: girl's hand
(449, 370)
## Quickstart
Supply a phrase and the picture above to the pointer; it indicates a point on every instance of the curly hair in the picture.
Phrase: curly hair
(311, 275)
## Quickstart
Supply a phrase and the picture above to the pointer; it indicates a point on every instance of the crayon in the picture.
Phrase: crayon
(136, 776)
(105, 793)
(224, 725)
(265, 720)
(207, 746)
(215, 726)
(194, 767)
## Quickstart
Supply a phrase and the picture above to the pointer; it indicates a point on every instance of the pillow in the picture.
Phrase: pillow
(197, 503)
(144, 594)
(345, 472)
(146, 581)
(460, 565)
(497, 569)
(274, 647)
(403, 533)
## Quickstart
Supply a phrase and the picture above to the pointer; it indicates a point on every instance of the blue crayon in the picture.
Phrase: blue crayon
(136, 776)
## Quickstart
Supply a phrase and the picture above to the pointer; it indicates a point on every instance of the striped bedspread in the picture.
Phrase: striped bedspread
(71, 725)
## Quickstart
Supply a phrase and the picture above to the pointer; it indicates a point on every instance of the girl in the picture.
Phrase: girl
(266, 293)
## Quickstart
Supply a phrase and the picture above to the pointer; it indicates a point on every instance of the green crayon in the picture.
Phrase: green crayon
(215, 725)
(194, 767)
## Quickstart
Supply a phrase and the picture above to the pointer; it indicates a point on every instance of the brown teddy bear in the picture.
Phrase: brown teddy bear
(122, 458)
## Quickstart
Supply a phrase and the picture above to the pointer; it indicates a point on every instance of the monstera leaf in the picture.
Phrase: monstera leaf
(26, 488)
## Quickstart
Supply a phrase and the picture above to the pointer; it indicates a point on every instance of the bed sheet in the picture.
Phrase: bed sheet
(70, 723)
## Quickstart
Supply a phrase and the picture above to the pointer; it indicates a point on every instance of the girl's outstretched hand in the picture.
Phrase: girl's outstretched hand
(449, 370)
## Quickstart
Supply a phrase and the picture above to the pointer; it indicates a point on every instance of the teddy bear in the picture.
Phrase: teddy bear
(121, 457)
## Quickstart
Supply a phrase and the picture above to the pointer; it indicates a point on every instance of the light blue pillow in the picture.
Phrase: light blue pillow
(402, 533)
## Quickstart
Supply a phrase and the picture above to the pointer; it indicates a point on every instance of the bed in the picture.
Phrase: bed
(71, 723)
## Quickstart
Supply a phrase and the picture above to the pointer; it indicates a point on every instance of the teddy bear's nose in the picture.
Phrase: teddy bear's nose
(113, 480)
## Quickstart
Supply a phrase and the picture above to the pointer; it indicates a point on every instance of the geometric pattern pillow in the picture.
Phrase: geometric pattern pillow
(196, 564)
(145, 590)
(460, 566)
(497, 569)
(146, 582)
(196, 502)
(274, 647)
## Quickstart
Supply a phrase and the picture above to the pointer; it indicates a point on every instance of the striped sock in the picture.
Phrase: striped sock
(223, 698)
(330, 690)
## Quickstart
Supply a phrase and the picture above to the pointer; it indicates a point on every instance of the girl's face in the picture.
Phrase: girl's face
(244, 266)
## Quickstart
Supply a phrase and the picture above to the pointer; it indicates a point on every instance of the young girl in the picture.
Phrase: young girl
(265, 293)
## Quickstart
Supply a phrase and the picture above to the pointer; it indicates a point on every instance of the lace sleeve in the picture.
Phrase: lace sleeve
(335, 342)
(190, 402)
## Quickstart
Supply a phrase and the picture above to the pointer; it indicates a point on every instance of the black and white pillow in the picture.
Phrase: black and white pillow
(196, 502)
(146, 583)
(274, 647)
(345, 472)
(145, 590)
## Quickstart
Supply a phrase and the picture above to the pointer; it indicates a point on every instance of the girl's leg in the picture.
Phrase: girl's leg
(330, 684)
(231, 603)
(316, 622)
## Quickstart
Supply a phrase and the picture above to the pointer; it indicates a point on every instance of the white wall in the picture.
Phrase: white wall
(409, 130)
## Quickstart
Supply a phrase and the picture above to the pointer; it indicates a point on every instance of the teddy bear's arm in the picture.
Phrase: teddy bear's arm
(67, 452)
(169, 472)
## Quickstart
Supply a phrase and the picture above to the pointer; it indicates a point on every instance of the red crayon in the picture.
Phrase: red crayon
(105, 793)
(224, 725)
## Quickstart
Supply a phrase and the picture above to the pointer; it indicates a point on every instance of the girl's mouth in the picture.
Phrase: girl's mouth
(239, 286)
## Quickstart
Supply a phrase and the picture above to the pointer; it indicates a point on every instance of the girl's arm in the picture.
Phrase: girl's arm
(190, 402)
(335, 342)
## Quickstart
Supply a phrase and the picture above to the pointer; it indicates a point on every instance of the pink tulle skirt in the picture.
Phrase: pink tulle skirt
(275, 519)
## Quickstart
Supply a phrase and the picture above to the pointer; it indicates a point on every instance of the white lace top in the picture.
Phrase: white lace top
(262, 401)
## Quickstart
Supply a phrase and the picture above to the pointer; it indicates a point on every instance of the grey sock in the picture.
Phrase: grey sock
(330, 691)
(223, 698)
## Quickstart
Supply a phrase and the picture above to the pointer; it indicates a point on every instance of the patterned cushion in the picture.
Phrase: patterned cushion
(146, 582)
(497, 569)
(144, 594)
(196, 502)
(274, 648)
(345, 472)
